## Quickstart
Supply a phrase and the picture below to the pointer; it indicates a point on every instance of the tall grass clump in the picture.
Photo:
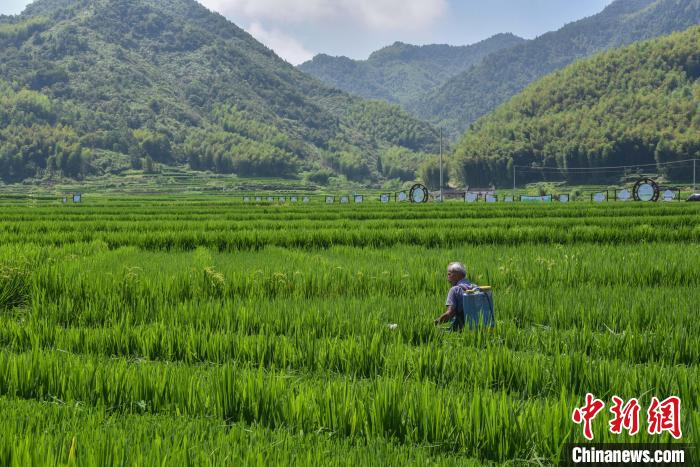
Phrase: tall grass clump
(14, 286)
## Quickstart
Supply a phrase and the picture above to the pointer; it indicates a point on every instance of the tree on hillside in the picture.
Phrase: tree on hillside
(429, 172)
(154, 144)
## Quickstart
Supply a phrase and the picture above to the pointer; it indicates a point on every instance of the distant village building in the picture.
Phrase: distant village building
(448, 194)
(451, 193)
(481, 193)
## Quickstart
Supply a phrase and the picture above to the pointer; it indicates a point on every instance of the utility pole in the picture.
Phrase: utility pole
(694, 189)
(441, 198)
(513, 179)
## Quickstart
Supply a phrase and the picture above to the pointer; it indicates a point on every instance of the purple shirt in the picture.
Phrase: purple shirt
(454, 296)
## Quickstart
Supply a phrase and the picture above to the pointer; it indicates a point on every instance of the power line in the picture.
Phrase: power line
(550, 170)
(528, 169)
(604, 168)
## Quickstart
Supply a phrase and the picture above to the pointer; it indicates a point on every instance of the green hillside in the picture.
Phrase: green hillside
(479, 90)
(402, 72)
(637, 105)
(89, 85)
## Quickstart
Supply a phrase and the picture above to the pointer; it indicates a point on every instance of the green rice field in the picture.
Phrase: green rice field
(199, 330)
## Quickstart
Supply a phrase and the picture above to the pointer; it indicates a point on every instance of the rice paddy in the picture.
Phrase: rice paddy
(205, 331)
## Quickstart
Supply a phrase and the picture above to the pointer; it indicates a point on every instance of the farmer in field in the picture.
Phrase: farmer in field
(457, 277)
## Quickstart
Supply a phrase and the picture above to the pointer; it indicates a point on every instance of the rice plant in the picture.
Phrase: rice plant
(203, 331)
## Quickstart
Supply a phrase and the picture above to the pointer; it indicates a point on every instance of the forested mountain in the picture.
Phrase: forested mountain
(479, 90)
(85, 84)
(637, 105)
(402, 72)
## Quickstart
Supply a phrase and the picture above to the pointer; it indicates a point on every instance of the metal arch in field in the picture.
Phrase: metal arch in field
(418, 194)
(646, 190)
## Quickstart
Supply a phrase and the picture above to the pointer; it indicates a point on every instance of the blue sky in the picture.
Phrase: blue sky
(299, 29)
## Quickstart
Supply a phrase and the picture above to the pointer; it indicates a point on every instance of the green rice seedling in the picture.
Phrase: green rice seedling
(200, 330)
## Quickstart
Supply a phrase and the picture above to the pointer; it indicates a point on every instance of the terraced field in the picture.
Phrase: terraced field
(203, 331)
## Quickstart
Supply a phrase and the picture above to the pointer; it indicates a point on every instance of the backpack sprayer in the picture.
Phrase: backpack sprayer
(478, 307)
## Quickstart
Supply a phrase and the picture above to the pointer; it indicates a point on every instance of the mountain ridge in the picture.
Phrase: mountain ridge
(399, 72)
(171, 81)
(501, 75)
(635, 105)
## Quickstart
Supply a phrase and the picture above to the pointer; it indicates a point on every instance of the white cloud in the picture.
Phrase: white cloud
(372, 14)
(398, 14)
(284, 45)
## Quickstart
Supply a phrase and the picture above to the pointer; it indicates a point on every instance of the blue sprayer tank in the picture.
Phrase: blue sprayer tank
(478, 308)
